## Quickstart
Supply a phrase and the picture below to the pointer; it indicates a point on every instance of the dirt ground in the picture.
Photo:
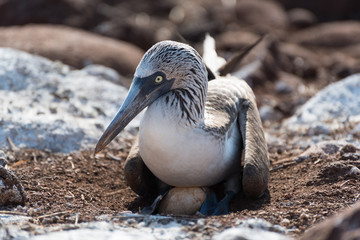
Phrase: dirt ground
(64, 188)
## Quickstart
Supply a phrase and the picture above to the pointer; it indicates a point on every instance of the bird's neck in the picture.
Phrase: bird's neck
(187, 105)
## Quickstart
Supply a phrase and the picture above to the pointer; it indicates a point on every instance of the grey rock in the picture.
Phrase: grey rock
(13, 232)
(72, 46)
(95, 234)
(141, 227)
(6, 219)
(261, 224)
(253, 229)
(103, 72)
(3, 159)
(322, 148)
(331, 108)
(301, 17)
(11, 190)
(248, 234)
(268, 113)
(356, 131)
(319, 129)
(46, 105)
(283, 88)
(329, 35)
(348, 150)
(154, 229)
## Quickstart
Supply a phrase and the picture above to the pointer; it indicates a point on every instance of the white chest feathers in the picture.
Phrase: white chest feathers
(183, 156)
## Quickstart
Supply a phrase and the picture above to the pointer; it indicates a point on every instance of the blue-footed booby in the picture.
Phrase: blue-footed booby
(194, 132)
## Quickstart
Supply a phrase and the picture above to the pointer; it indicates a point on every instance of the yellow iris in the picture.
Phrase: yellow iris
(158, 79)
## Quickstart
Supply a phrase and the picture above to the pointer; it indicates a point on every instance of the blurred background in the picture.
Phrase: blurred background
(308, 43)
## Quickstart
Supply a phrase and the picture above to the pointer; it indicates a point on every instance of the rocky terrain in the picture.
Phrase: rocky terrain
(64, 71)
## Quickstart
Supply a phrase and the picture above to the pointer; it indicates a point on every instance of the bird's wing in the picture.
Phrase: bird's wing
(230, 99)
(255, 157)
(221, 107)
(138, 176)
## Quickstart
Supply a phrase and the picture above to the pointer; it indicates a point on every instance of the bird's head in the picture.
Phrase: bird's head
(166, 66)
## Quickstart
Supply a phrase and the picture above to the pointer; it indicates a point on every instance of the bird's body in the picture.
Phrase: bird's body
(200, 154)
(187, 157)
(195, 133)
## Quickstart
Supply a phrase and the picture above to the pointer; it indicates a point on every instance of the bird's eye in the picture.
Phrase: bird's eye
(158, 79)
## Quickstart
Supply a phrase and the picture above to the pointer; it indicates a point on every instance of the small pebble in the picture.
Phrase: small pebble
(68, 197)
(201, 222)
(285, 222)
(304, 217)
(354, 172)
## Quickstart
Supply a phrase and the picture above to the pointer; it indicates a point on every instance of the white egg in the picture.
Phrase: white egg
(182, 201)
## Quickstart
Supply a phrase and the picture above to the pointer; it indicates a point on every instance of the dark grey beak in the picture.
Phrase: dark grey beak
(143, 92)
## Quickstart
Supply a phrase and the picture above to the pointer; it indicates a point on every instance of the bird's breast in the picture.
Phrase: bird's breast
(185, 156)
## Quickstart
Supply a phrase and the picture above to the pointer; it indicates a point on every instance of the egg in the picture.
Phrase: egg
(182, 201)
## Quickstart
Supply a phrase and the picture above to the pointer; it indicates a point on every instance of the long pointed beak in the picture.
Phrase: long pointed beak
(143, 92)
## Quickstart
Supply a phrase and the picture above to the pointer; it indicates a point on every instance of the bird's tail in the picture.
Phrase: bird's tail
(210, 56)
(218, 65)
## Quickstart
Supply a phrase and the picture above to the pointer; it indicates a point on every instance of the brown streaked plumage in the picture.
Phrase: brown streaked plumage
(194, 132)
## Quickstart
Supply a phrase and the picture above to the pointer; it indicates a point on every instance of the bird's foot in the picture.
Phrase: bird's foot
(209, 204)
(212, 207)
(152, 208)
(223, 205)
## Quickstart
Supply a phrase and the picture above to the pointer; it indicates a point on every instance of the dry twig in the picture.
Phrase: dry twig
(114, 193)
(113, 157)
(53, 214)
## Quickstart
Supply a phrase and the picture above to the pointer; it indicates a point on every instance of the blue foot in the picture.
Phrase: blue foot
(151, 209)
(209, 204)
(212, 207)
(223, 205)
